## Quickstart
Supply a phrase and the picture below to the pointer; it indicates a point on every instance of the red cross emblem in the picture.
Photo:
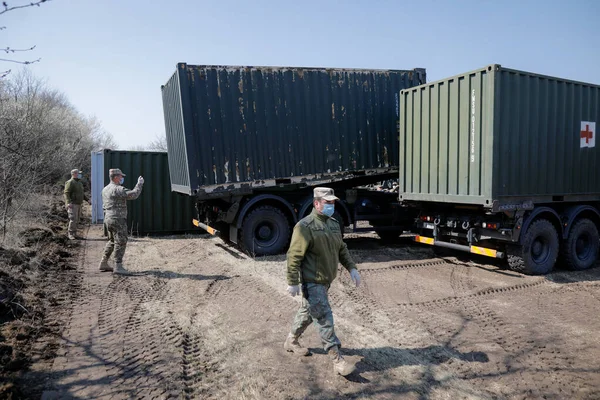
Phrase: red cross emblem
(587, 134)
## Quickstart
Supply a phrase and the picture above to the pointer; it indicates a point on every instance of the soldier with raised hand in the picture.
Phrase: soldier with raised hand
(73, 199)
(114, 203)
(315, 250)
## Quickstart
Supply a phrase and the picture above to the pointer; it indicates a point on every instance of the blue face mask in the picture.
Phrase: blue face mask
(122, 180)
(78, 176)
(328, 209)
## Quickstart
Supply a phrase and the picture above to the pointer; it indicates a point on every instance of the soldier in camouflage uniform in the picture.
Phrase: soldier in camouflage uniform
(73, 200)
(114, 203)
(312, 260)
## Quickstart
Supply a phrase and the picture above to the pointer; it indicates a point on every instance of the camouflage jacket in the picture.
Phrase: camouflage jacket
(316, 250)
(114, 200)
(73, 191)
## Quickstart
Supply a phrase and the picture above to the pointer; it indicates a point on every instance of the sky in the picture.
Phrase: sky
(110, 57)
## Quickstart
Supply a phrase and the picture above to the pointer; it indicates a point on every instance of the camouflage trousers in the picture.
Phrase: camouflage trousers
(74, 213)
(117, 238)
(315, 308)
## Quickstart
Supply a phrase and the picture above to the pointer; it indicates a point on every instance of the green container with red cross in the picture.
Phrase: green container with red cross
(497, 137)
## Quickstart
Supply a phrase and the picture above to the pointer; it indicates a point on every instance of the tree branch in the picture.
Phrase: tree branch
(11, 150)
(7, 8)
(4, 74)
(21, 62)
(9, 50)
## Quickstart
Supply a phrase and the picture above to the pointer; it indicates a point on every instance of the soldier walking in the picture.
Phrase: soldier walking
(73, 199)
(114, 203)
(315, 250)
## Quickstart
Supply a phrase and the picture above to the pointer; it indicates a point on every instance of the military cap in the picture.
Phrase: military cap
(75, 171)
(115, 172)
(324, 193)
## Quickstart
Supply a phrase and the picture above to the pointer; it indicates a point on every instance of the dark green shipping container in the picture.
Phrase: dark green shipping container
(232, 128)
(498, 137)
(157, 210)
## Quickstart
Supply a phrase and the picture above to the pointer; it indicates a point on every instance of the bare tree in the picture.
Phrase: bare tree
(158, 144)
(9, 50)
(99, 136)
(137, 147)
(41, 136)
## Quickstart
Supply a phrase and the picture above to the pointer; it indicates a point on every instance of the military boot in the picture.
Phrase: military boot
(104, 265)
(292, 345)
(340, 365)
(120, 270)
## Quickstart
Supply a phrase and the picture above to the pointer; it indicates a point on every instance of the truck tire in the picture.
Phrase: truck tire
(539, 251)
(265, 231)
(580, 249)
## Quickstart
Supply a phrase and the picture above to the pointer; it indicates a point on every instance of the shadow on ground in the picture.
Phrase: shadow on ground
(175, 275)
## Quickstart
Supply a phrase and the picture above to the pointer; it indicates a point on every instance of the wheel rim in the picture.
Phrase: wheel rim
(540, 249)
(583, 246)
(266, 233)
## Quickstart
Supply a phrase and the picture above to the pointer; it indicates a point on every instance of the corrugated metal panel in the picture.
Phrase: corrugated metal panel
(97, 184)
(538, 130)
(249, 125)
(157, 210)
(174, 125)
(497, 134)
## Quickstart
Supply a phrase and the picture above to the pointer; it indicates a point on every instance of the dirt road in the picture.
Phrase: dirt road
(201, 320)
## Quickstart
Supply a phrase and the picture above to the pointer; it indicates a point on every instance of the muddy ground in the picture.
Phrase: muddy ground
(40, 277)
(202, 320)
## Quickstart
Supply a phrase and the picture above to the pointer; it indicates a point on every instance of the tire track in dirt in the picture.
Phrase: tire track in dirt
(233, 314)
(457, 300)
(404, 266)
(522, 353)
(197, 365)
(191, 360)
(440, 316)
(389, 322)
(441, 331)
(461, 280)
(367, 301)
(404, 339)
(140, 342)
(521, 357)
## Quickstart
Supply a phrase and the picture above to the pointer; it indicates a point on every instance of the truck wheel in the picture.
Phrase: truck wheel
(539, 251)
(580, 249)
(265, 231)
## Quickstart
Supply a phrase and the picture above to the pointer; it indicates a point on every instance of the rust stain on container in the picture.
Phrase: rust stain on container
(386, 159)
(226, 170)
